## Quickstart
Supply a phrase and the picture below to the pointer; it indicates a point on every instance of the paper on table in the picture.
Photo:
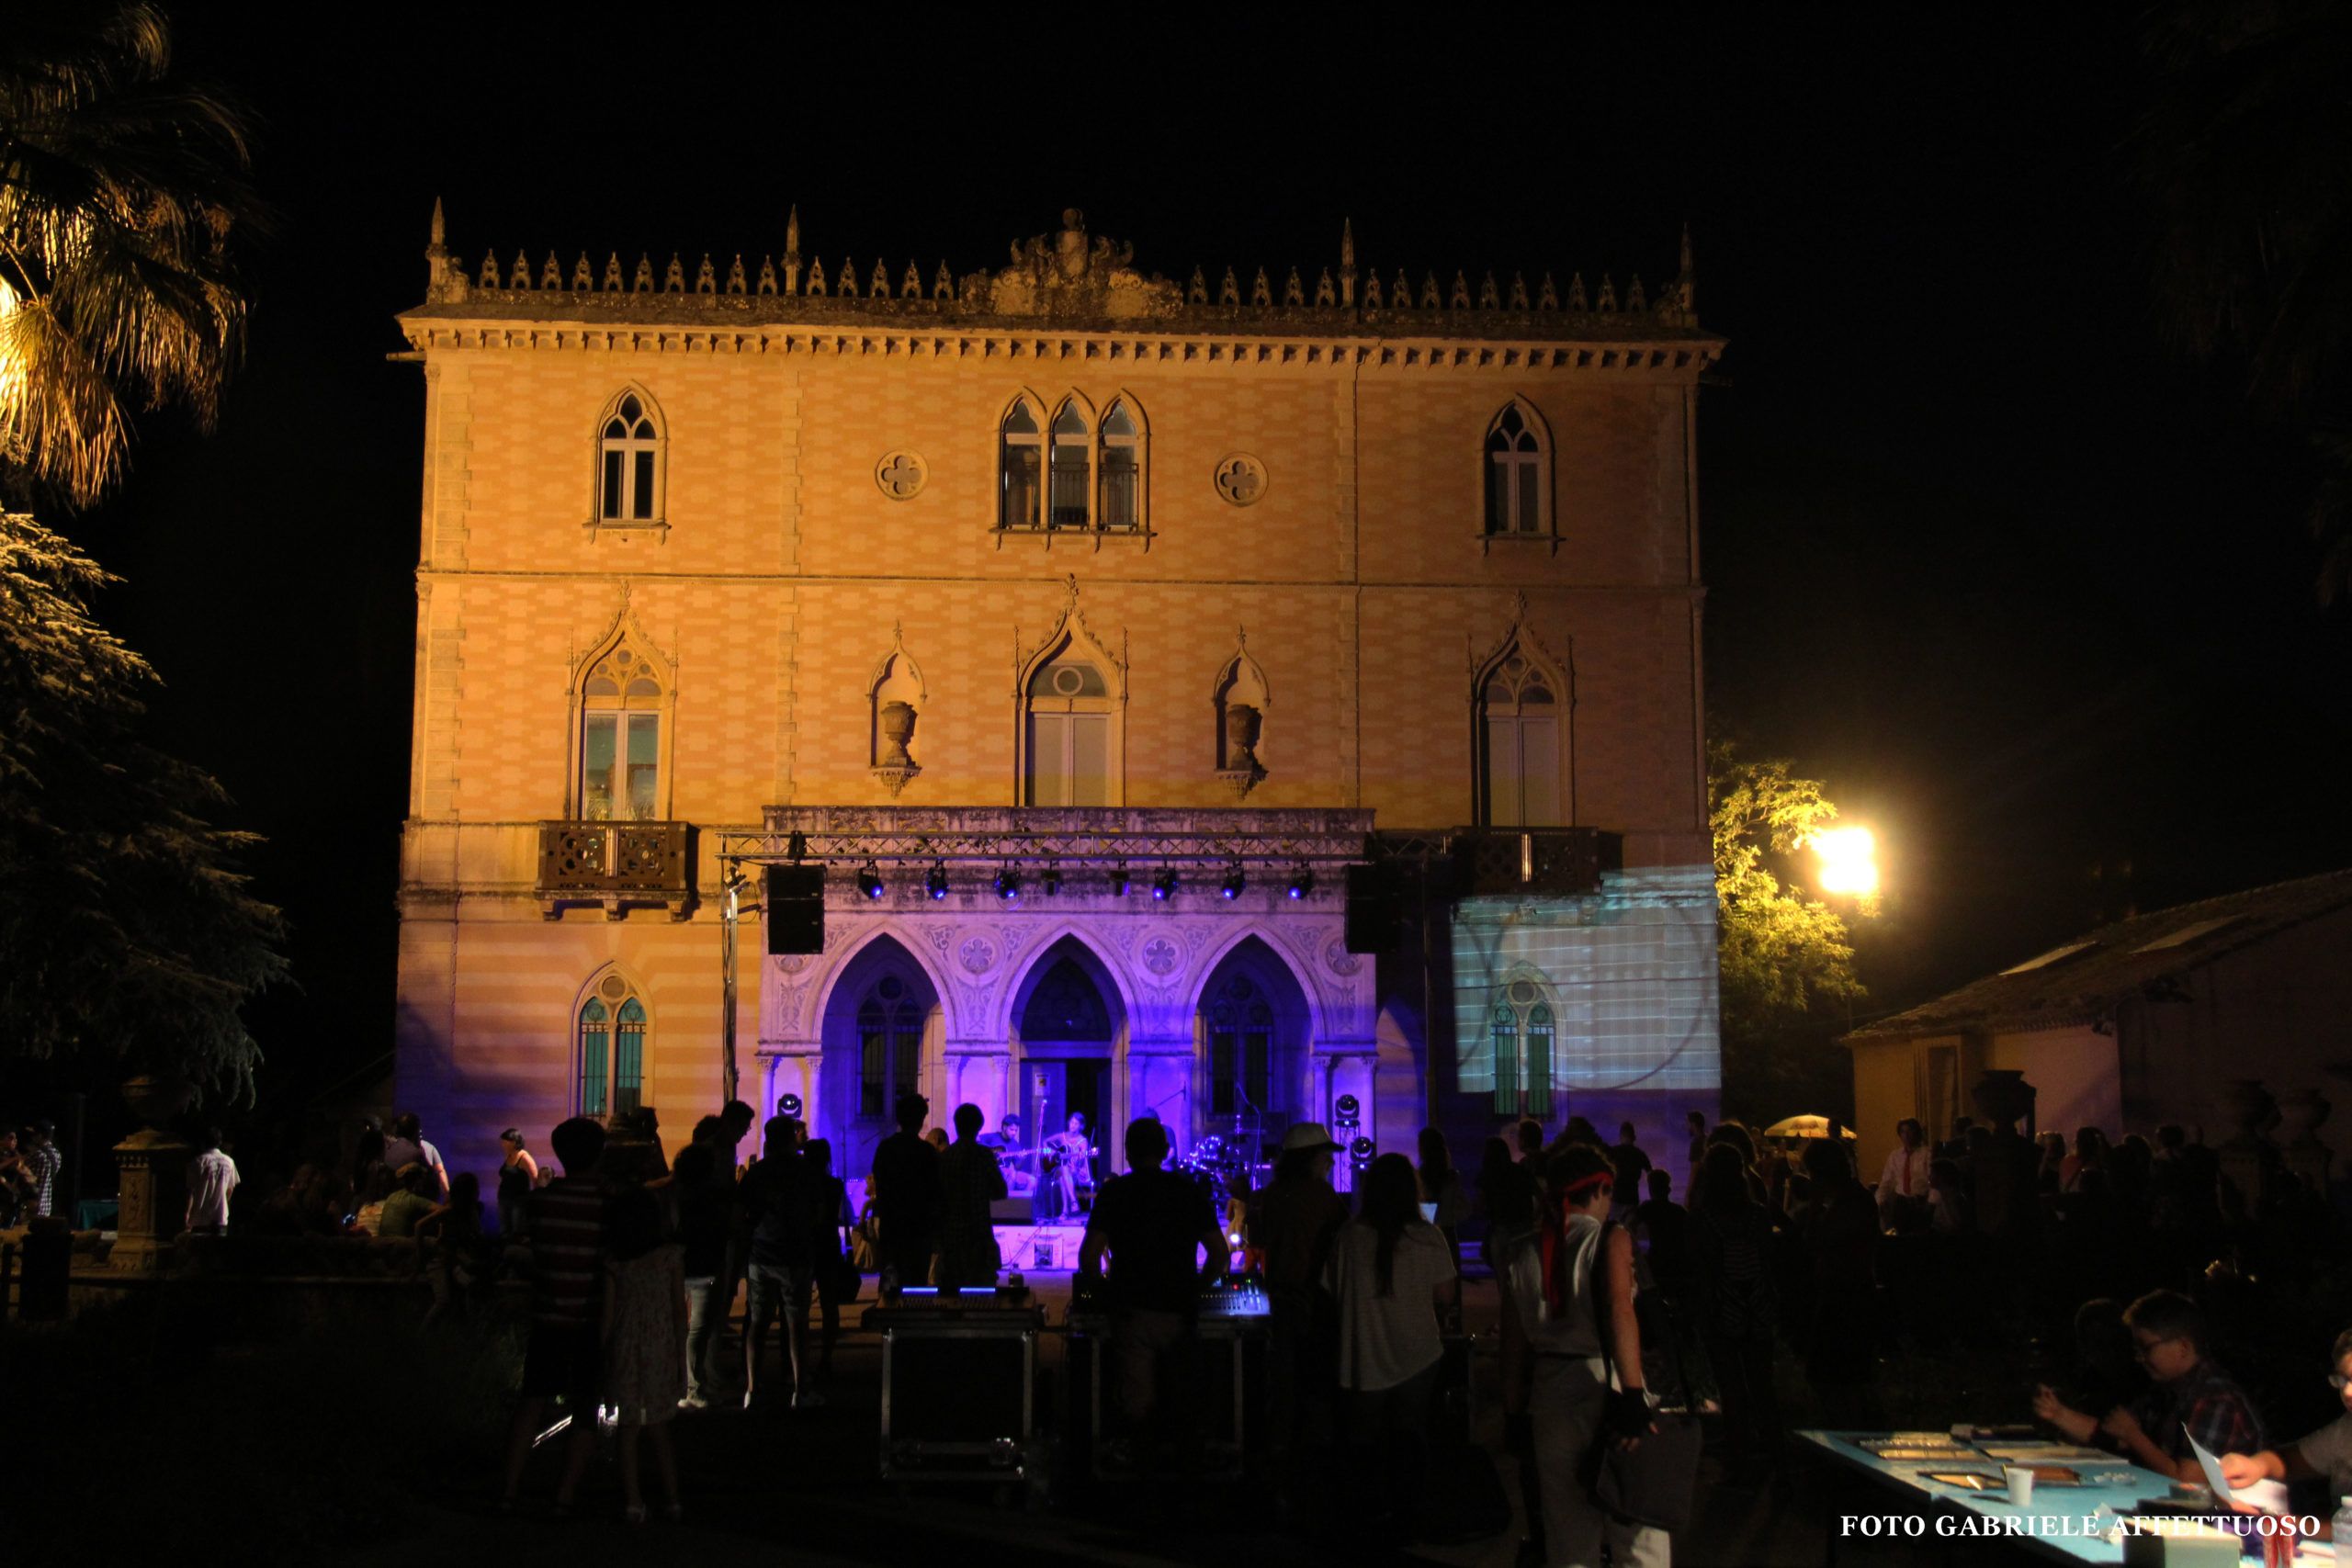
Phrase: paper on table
(2263, 1496)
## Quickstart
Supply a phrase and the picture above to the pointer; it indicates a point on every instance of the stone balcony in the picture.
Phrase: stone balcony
(616, 866)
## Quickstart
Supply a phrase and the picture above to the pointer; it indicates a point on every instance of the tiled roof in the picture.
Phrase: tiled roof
(2081, 981)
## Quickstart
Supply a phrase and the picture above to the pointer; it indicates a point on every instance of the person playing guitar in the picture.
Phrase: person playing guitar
(1068, 1159)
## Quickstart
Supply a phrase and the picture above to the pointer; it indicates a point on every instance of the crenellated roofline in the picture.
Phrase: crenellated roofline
(1067, 285)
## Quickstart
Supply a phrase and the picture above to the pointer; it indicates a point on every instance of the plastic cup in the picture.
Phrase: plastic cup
(2019, 1478)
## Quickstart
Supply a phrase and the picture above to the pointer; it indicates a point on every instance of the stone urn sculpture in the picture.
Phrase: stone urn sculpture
(2003, 1097)
(1241, 768)
(2299, 1115)
(153, 1167)
(895, 723)
(898, 725)
(2246, 1109)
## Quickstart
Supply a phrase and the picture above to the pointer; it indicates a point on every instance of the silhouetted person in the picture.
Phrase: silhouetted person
(773, 1193)
(1440, 1187)
(1731, 1243)
(644, 1331)
(1840, 1237)
(906, 1196)
(703, 1224)
(1631, 1167)
(565, 1225)
(1156, 1226)
(969, 1180)
(1392, 1278)
(1663, 1228)
(1293, 1221)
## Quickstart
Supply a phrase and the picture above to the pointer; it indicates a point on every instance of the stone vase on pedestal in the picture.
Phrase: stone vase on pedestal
(153, 1167)
(2003, 1097)
(894, 724)
(2247, 1108)
(2299, 1115)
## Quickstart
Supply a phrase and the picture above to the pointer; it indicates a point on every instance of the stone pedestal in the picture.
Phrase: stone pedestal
(2299, 1115)
(154, 1201)
(2247, 1108)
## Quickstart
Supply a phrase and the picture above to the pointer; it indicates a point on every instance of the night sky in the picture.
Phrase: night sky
(2030, 595)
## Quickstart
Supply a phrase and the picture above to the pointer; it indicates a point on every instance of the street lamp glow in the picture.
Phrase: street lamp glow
(1847, 860)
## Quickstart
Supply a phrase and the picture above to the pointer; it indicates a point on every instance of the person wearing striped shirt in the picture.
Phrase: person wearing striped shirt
(564, 1224)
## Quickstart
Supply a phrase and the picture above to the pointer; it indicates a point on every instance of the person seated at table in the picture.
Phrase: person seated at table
(2189, 1396)
(2328, 1451)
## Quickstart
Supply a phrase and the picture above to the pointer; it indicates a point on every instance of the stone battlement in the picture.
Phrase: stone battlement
(1068, 276)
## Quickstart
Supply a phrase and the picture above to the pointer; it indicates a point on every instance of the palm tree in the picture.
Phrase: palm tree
(119, 190)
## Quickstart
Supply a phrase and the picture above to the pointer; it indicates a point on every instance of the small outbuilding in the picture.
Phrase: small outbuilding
(2231, 1016)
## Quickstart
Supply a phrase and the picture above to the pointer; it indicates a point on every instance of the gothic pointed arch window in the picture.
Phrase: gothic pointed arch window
(1519, 499)
(1123, 468)
(1072, 468)
(1522, 1030)
(1020, 465)
(1069, 720)
(623, 704)
(628, 460)
(889, 1042)
(1241, 1036)
(610, 1026)
(1523, 710)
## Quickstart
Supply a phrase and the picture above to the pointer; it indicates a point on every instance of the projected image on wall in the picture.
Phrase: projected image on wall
(1547, 1009)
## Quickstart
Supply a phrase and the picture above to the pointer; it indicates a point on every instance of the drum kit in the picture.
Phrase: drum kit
(1224, 1167)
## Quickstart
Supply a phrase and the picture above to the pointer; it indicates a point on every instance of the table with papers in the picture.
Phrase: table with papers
(2062, 1523)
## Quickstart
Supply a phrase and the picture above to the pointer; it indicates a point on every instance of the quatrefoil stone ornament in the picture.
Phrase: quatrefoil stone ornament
(1240, 479)
(901, 475)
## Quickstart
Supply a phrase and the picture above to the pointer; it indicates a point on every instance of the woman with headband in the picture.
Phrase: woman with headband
(1572, 1359)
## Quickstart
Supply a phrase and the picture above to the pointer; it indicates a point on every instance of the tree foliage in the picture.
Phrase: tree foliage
(2241, 157)
(125, 927)
(1782, 957)
(120, 187)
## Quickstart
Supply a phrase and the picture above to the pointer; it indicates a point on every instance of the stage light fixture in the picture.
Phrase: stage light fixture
(797, 847)
(1359, 1154)
(1119, 880)
(869, 880)
(1233, 882)
(935, 881)
(1008, 885)
(788, 1105)
(1347, 1107)
(1053, 878)
(1302, 881)
(1163, 887)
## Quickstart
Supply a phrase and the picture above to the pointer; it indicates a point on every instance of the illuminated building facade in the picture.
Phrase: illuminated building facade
(1085, 628)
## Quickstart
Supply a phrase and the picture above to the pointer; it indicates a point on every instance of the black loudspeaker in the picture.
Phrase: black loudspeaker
(795, 909)
(1372, 912)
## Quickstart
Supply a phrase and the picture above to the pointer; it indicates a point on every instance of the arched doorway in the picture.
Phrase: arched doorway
(1067, 1029)
(1251, 1025)
(880, 1041)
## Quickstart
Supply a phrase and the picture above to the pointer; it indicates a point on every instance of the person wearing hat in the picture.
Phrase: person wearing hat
(1293, 1221)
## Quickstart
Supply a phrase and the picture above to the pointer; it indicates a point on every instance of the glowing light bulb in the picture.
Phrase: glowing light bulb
(1847, 861)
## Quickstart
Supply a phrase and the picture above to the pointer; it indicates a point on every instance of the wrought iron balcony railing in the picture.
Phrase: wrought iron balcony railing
(616, 864)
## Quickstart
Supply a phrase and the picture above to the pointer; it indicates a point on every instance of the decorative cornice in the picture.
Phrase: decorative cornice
(1068, 281)
(1679, 357)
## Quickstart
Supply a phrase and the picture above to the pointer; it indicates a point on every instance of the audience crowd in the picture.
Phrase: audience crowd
(1630, 1282)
